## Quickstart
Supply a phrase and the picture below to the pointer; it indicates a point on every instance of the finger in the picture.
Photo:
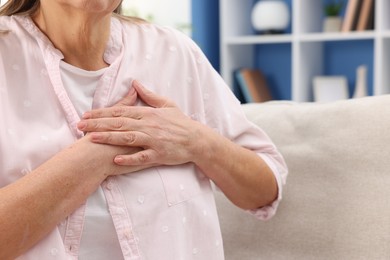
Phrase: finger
(144, 157)
(117, 111)
(128, 138)
(107, 124)
(151, 98)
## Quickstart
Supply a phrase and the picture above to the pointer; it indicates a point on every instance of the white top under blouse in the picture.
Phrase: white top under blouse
(99, 240)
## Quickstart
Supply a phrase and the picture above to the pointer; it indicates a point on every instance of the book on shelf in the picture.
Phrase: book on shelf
(351, 17)
(371, 20)
(253, 85)
(366, 16)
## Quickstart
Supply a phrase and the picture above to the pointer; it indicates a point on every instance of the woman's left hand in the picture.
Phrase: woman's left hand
(166, 135)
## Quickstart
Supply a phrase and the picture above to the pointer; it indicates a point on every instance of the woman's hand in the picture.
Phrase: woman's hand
(32, 206)
(108, 152)
(166, 135)
(169, 137)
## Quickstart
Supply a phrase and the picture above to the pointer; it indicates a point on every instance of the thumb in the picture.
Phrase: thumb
(151, 98)
(128, 100)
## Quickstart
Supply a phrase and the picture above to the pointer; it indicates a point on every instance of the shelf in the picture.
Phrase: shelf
(310, 37)
(259, 39)
(290, 61)
(337, 36)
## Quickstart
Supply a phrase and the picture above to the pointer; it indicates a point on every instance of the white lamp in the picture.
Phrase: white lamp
(270, 16)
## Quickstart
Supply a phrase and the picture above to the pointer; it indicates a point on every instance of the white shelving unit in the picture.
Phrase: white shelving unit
(307, 42)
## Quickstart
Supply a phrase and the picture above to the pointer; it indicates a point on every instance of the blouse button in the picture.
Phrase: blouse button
(109, 185)
(195, 251)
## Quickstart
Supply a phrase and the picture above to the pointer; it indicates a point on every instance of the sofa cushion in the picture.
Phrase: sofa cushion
(336, 203)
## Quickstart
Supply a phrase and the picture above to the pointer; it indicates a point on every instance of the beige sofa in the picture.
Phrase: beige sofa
(336, 203)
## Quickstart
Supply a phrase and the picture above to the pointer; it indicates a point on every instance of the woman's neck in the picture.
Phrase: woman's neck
(81, 37)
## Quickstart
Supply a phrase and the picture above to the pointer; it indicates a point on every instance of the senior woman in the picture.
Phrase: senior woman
(112, 130)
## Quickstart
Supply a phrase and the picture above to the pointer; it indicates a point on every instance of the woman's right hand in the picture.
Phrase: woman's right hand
(107, 153)
(104, 155)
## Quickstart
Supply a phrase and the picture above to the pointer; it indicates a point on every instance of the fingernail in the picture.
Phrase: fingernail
(86, 115)
(81, 125)
(119, 160)
(136, 82)
(95, 137)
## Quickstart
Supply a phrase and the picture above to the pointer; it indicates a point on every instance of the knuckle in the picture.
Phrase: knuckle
(143, 157)
(117, 111)
(97, 113)
(118, 123)
(129, 138)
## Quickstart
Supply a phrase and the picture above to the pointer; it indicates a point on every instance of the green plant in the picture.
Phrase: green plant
(334, 8)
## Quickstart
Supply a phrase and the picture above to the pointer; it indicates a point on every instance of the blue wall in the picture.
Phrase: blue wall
(340, 58)
(343, 58)
(205, 28)
(274, 60)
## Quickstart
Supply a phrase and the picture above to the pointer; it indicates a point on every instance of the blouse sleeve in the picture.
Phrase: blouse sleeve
(225, 115)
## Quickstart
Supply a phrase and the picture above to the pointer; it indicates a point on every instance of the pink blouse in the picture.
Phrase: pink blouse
(158, 213)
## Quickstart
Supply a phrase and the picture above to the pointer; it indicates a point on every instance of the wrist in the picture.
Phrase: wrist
(206, 144)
